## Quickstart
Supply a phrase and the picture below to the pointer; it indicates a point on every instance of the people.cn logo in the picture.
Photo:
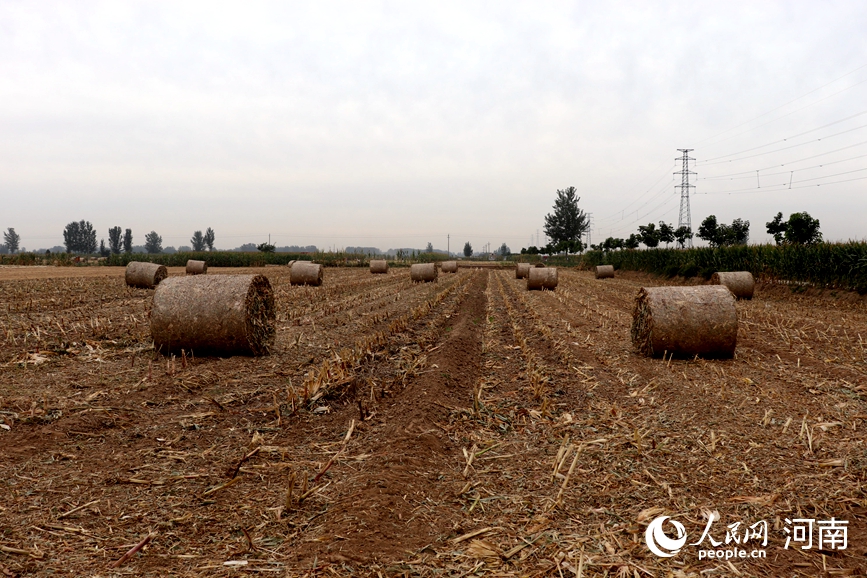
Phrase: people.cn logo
(659, 543)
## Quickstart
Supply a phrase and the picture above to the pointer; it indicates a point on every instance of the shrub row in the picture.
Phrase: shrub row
(831, 265)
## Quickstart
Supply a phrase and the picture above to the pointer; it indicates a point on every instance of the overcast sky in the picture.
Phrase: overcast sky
(391, 124)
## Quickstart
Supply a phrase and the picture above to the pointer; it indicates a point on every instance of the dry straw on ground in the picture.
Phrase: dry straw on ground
(740, 283)
(685, 321)
(542, 278)
(423, 272)
(220, 314)
(378, 266)
(450, 267)
(146, 275)
(605, 271)
(305, 273)
(196, 267)
(522, 270)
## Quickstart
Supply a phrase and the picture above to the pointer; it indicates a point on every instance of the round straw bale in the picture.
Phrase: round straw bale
(378, 266)
(196, 267)
(290, 263)
(740, 283)
(219, 314)
(685, 321)
(147, 275)
(305, 273)
(522, 270)
(450, 267)
(604, 271)
(423, 272)
(542, 278)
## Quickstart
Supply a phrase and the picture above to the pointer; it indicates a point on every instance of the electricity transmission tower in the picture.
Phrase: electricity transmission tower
(684, 220)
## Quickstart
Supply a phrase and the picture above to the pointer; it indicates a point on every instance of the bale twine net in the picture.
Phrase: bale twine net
(740, 283)
(522, 270)
(146, 275)
(423, 272)
(542, 278)
(379, 266)
(604, 271)
(196, 267)
(685, 321)
(450, 267)
(217, 314)
(305, 273)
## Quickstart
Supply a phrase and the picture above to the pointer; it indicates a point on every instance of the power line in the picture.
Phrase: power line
(787, 186)
(785, 148)
(749, 174)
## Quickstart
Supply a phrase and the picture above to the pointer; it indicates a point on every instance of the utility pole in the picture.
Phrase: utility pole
(684, 220)
(448, 245)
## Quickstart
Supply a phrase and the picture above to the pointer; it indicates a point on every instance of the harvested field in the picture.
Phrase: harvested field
(460, 428)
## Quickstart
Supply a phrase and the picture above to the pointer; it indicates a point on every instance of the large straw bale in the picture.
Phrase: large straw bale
(305, 273)
(604, 271)
(423, 272)
(218, 314)
(685, 321)
(450, 267)
(740, 283)
(146, 275)
(196, 267)
(542, 278)
(522, 270)
(378, 266)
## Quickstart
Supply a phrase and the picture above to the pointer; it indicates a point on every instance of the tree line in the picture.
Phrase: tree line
(80, 237)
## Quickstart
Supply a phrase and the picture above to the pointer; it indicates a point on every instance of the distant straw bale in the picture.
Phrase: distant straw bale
(450, 267)
(216, 314)
(522, 270)
(542, 278)
(196, 267)
(378, 266)
(426, 272)
(605, 271)
(685, 321)
(740, 283)
(305, 273)
(145, 275)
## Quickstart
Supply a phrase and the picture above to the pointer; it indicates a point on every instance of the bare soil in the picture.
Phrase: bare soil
(463, 427)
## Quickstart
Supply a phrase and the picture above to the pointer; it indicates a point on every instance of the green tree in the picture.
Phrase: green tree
(103, 250)
(429, 248)
(209, 238)
(11, 240)
(198, 241)
(127, 241)
(153, 243)
(114, 239)
(719, 234)
(682, 234)
(800, 229)
(567, 222)
(777, 228)
(632, 242)
(468, 249)
(504, 250)
(666, 233)
(79, 237)
(738, 233)
(264, 247)
(649, 235)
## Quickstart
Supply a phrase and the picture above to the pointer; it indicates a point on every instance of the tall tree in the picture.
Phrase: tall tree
(209, 238)
(504, 250)
(632, 242)
(114, 239)
(666, 233)
(649, 235)
(682, 234)
(153, 243)
(468, 249)
(79, 237)
(567, 222)
(800, 229)
(719, 234)
(127, 241)
(11, 240)
(429, 248)
(103, 250)
(198, 241)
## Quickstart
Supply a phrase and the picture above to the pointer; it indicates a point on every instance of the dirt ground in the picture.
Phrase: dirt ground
(459, 428)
